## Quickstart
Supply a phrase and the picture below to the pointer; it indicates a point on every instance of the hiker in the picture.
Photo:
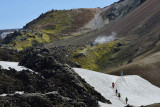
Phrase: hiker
(119, 95)
(113, 84)
(116, 92)
(126, 100)
(121, 73)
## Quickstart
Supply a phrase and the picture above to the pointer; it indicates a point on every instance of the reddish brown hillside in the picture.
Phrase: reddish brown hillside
(62, 22)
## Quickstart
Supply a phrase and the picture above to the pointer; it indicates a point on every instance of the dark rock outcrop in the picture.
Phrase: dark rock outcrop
(51, 84)
(122, 8)
(61, 54)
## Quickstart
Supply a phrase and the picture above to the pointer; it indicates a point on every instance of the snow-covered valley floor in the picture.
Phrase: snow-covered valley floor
(138, 90)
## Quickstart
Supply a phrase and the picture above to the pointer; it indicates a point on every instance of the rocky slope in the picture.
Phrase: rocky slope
(51, 26)
(62, 22)
(81, 20)
(9, 55)
(51, 84)
(120, 9)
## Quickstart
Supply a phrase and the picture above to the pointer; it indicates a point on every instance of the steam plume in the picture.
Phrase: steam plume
(103, 39)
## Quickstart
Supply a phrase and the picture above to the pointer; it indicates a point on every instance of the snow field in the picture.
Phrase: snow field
(17, 92)
(138, 90)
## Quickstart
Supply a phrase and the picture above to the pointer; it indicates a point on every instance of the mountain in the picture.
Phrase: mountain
(51, 26)
(132, 23)
(133, 26)
(124, 36)
(63, 24)
(135, 49)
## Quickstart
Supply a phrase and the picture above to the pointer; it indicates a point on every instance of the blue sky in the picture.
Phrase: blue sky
(16, 13)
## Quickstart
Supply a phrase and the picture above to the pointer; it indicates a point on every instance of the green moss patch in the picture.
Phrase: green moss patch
(28, 39)
(96, 58)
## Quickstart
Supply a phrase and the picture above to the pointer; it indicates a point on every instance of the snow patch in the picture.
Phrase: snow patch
(138, 90)
(7, 65)
(17, 92)
(3, 95)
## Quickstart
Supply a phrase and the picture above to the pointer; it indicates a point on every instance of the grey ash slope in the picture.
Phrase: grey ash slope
(141, 27)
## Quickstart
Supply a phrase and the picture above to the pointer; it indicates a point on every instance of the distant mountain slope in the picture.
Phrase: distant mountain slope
(62, 22)
(65, 24)
(139, 29)
(51, 26)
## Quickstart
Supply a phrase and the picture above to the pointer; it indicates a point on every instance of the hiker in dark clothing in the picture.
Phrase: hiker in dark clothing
(116, 92)
(119, 95)
(113, 84)
(126, 100)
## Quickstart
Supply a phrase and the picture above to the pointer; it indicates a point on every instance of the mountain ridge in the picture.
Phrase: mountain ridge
(63, 24)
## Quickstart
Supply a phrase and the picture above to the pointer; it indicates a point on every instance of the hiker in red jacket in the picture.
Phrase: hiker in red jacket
(113, 84)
